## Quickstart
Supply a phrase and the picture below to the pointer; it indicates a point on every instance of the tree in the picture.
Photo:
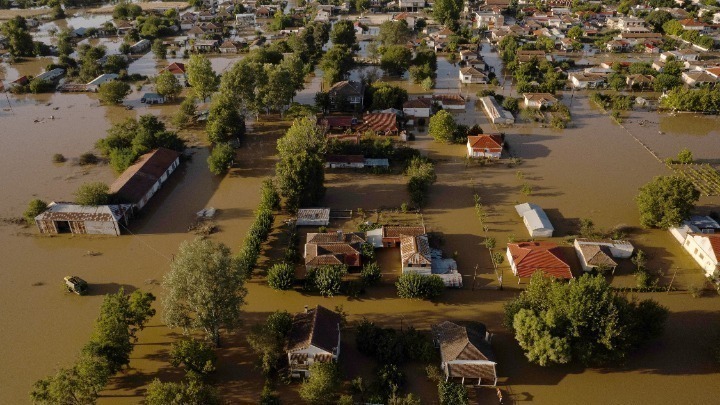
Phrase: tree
(94, 193)
(281, 276)
(115, 64)
(268, 340)
(370, 274)
(185, 115)
(575, 32)
(414, 285)
(395, 59)
(279, 89)
(323, 384)
(195, 355)
(159, 49)
(205, 290)
(224, 119)
(362, 5)
(394, 33)
(442, 127)
(421, 174)
(452, 393)
(384, 95)
(447, 12)
(35, 208)
(666, 201)
(327, 280)
(167, 85)
(664, 82)
(201, 76)
(19, 40)
(193, 392)
(343, 34)
(300, 172)
(77, 385)
(337, 63)
(114, 91)
(121, 316)
(584, 320)
(672, 27)
(657, 18)
(685, 156)
(221, 158)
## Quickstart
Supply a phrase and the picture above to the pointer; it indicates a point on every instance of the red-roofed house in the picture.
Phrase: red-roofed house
(490, 146)
(692, 25)
(528, 257)
(333, 248)
(139, 182)
(178, 70)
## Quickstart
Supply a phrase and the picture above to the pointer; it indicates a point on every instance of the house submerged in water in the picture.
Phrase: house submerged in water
(61, 217)
(133, 189)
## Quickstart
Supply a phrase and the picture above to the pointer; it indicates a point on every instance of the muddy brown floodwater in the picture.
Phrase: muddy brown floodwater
(591, 170)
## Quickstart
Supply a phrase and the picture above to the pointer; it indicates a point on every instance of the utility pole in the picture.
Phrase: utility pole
(672, 280)
(474, 277)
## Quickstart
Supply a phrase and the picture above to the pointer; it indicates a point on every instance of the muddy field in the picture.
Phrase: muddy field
(591, 170)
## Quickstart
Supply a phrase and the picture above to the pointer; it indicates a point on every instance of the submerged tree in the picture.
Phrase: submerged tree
(666, 201)
(201, 76)
(205, 290)
(584, 320)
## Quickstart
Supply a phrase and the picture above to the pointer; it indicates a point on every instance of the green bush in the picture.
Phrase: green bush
(413, 285)
(221, 158)
(370, 274)
(35, 208)
(87, 158)
(327, 280)
(452, 393)
(94, 193)
(281, 276)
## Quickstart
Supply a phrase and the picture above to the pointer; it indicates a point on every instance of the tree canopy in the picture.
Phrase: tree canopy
(114, 91)
(201, 76)
(447, 12)
(205, 290)
(323, 384)
(442, 127)
(583, 320)
(93, 193)
(666, 201)
(167, 85)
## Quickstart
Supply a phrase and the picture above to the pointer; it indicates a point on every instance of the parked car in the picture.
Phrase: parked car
(76, 285)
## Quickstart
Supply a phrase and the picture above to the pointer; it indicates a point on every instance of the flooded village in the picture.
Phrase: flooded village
(419, 202)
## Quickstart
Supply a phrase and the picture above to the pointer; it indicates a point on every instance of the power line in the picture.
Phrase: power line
(145, 243)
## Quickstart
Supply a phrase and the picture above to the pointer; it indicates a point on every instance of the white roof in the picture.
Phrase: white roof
(534, 216)
(103, 79)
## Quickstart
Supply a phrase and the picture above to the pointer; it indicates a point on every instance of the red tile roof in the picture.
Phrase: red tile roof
(530, 257)
(715, 244)
(135, 182)
(176, 68)
(491, 142)
(379, 122)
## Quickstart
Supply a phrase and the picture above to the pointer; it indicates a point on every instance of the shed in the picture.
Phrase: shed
(61, 217)
(535, 219)
(313, 217)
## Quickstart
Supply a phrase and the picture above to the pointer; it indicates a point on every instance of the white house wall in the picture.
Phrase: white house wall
(699, 248)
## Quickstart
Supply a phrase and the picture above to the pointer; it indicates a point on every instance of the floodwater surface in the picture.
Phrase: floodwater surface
(590, 170)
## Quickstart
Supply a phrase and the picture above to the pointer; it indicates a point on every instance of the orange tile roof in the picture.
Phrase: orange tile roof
(530, 257)
(492, 142)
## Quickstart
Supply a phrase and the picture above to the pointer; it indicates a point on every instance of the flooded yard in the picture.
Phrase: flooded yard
(590, 170)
